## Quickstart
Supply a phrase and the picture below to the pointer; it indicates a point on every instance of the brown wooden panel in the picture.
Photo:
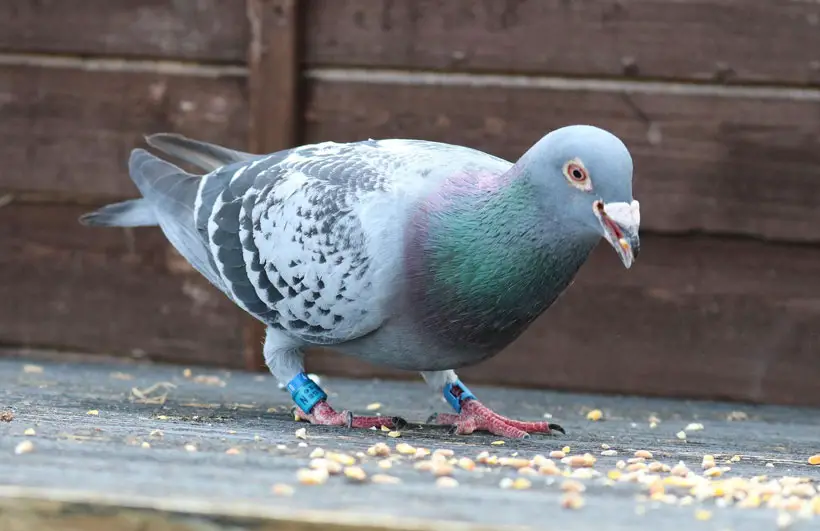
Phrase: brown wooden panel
(114, 291)
(751, 40)
(695, 317)
(202, 30)
(71, 131)
(736, 165)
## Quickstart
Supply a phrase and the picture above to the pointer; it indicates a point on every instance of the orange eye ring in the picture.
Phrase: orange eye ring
(577, 175)
(576, 172)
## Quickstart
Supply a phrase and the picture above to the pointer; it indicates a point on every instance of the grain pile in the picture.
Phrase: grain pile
(711, 484)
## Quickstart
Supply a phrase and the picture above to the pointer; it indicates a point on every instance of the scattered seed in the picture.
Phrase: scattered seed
(309, 476)
(342, 459)
(384, 479)
(693, 426)
(681, 435)
(93, 412)
(571, 485)
(769, 465)
(595, 415)
(565, 449)
(576, 461)
(784, 520)
(609, 453)
(6, 416)
(558, 454)
(466, 463)
(373, 407)
(735, 459)
(713, 472)
(24, 448)
(497, 443)
(355, 473)
(644, 454)
(29, 432)
(316, 453)
(302, 445)
(521, 484)
(605, 446)
(514, 462)
(145, 444)
(406, 449)
(385, 428)
(233, 451)
(281, 489)
(394, 434)
(703, 514)
(737, 416)
(446, 482)
(385, 463)
(444, 452)
(814, 460)
(190, 448)
(379, 449)
(572, 501)
(301, 433)
(32, 369)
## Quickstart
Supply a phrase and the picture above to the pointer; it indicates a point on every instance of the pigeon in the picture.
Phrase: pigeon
(418, 255)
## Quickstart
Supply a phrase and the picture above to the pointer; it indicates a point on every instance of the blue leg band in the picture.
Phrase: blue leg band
(305, 392)
(456, 393)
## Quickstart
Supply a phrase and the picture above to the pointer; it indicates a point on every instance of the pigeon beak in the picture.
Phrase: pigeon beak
(619, 223)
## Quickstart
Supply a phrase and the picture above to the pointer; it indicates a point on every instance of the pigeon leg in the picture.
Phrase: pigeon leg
(285, 361)
(472, 415)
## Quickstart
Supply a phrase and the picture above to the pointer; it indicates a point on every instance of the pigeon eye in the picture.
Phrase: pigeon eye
(577, 175)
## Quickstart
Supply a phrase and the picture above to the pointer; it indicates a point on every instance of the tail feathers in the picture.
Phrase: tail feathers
(131, 213)
(202, 155)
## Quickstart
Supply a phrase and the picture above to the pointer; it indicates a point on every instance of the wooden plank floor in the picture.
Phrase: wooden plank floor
(93, 472)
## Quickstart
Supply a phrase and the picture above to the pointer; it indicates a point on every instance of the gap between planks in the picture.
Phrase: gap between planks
(424, 78)
(49, 509)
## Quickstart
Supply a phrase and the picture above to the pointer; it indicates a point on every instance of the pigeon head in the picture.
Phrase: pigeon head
(583, 177)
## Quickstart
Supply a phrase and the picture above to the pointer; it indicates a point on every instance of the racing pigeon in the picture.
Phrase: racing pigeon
(413, 254)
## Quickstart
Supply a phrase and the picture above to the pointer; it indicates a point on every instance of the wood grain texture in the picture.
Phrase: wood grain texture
(201, 30)
(772, 41)
(110, 291)
(738, 165)
(274, 60)
(70, 131)
(695, 317)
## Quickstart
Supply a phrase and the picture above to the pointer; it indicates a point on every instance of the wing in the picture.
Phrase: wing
(309, 240)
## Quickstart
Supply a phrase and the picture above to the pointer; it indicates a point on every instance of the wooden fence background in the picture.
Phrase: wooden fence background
(719, 101)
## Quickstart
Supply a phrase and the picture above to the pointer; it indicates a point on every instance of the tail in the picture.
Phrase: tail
(137, 212)
(131, 213)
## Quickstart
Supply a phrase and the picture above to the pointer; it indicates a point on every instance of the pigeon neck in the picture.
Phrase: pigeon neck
(486, 261)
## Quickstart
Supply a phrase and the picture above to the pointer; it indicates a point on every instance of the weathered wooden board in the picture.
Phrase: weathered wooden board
(70, 131)
(725, 40)
(92, 473)
(117, 291)
(776, 41)
(201, 30)
(694, 317)
(741, 165)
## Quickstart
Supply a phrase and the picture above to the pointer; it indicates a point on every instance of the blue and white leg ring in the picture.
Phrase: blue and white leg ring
(305, 392)
(456, 393)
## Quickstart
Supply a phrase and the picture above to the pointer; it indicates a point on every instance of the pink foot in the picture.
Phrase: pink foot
(476, 416)
(325, 415)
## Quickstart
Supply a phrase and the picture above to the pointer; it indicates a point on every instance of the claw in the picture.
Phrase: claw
(476, 416)
(398, 423)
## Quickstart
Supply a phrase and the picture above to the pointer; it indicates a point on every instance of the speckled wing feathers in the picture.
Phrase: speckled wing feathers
(285, 239)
